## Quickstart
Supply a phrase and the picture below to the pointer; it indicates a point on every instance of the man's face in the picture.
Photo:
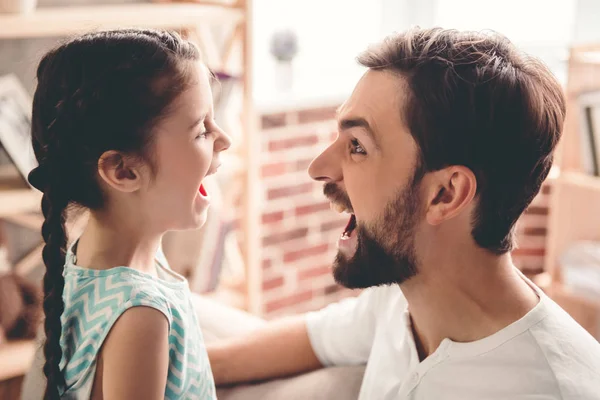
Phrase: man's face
(371, 171)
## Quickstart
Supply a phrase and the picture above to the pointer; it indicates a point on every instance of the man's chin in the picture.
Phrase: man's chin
(372, 266)
(353, 274)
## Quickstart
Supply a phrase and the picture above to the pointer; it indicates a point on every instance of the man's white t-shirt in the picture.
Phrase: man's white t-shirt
(544, 355)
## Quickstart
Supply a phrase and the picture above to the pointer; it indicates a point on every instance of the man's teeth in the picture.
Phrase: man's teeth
(338, 208)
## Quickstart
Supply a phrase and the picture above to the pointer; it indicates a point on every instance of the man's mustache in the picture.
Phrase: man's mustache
(337, 196)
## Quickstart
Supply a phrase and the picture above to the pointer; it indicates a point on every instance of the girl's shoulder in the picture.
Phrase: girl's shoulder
(94, 301)
(112, 291)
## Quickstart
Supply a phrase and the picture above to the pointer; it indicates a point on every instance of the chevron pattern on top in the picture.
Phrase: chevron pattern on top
(94, 300)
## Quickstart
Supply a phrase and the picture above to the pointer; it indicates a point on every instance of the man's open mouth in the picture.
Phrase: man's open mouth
(348, 240)
(349, 227)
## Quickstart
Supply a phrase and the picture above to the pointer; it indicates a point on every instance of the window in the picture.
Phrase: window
(330, 33)
(542, 28)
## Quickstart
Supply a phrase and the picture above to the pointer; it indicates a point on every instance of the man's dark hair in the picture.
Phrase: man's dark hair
(474, 100)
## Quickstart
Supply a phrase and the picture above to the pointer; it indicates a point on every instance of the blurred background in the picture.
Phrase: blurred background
(284, 68)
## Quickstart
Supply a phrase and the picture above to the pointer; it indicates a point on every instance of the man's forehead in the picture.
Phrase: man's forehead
(377, 95)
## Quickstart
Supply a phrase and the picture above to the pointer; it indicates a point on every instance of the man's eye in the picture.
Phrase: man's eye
(356, 147)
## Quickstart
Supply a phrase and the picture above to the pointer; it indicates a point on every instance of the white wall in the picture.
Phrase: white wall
(587, 23)
(331, 33)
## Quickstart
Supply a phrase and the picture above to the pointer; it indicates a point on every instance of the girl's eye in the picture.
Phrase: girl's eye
(204, 134)
(356, 147)
(207, 129)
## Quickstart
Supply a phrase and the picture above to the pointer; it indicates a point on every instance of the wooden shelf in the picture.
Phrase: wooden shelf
(579, 180)
(65, 21)
(574, 201)
(227, 51)
(18, 201)
(16, 357)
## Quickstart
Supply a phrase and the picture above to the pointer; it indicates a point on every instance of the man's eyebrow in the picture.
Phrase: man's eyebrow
(357, 122)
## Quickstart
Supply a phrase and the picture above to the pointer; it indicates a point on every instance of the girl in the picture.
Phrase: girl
(122, 126)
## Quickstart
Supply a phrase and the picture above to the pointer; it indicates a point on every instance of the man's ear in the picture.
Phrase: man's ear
(451, 191)
(119, 171)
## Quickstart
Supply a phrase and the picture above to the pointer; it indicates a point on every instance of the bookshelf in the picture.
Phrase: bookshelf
(575, 193)
(191, 19)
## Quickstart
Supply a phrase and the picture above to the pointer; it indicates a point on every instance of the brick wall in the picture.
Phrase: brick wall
(531, 234)
(299, 231)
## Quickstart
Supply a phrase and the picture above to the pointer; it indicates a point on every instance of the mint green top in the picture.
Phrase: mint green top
(95, 299)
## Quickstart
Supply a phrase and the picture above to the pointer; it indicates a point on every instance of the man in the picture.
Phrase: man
(443, 144)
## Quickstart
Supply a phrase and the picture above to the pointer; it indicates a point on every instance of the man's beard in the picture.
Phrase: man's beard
(385, 252)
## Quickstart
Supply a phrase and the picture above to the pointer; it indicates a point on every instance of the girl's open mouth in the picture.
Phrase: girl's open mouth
(202, 191)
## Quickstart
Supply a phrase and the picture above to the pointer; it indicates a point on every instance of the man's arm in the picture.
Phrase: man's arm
(279, 349)
(340, 334)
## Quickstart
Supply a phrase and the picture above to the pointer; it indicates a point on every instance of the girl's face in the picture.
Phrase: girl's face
(186, 150)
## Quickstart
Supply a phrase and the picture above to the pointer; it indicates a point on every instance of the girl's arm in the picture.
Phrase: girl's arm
(135, 356)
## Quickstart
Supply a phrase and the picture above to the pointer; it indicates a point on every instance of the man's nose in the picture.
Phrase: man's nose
(326, 167)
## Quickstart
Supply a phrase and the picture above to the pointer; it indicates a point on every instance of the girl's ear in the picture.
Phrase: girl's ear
(119, 171)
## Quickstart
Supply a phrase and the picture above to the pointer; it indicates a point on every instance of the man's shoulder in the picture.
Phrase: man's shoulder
(371, 304)
(388, 292)
(382, 299)
(571, 353)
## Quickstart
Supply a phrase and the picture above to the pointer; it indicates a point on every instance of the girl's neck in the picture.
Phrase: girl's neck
(106, 244)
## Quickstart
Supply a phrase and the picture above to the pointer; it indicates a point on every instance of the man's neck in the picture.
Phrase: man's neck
(465, 299)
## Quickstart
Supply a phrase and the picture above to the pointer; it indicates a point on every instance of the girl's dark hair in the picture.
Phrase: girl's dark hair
(98, 92)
